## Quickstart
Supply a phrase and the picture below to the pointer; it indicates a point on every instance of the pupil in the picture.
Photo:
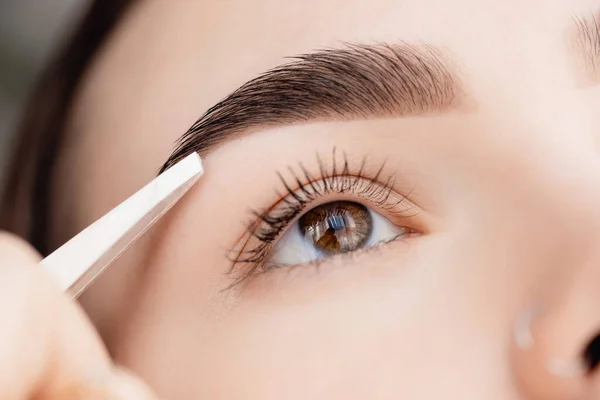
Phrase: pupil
(337, 227)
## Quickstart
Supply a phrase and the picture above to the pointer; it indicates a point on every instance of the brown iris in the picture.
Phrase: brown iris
(337, 227)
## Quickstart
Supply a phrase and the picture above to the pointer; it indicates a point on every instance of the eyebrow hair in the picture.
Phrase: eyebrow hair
(357, 81)
(586, 43)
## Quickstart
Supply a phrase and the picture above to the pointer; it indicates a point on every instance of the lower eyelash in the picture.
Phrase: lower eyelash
(271, 222)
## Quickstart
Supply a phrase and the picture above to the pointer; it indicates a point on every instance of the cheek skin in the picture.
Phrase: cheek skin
(325, 330)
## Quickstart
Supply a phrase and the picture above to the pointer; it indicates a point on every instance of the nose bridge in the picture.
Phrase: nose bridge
(549, 179)
(563, 127)
(557, 235)
(530, 63)
(532, 70)
(566, 207)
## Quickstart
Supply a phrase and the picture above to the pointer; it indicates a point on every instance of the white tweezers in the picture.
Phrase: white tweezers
(82, 259)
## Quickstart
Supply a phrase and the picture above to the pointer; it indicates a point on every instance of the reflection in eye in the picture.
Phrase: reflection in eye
(330, 229)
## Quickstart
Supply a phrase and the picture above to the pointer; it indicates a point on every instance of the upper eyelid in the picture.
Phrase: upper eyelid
(386, 188)
(360, 173)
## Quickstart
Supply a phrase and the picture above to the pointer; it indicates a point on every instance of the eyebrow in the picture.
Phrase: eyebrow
(357, 81)
(586, 42)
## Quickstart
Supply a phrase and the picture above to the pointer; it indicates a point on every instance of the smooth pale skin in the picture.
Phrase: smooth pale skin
(509, 186)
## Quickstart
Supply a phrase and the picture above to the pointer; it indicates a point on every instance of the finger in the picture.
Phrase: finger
(48, 345)
(15, 251)
(125, 385)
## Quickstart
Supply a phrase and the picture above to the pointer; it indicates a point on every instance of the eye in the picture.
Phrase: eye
(284, 233)
(330, 229)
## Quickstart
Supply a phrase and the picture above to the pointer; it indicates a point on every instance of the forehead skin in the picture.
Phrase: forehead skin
(170, 61)
(165, 65)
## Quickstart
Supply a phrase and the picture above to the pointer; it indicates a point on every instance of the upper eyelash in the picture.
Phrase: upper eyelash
(269, 223)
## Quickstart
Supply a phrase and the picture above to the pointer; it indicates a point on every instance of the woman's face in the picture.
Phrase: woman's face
(442, 168)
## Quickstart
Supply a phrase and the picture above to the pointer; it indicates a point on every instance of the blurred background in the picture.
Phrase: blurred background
(30, 30)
